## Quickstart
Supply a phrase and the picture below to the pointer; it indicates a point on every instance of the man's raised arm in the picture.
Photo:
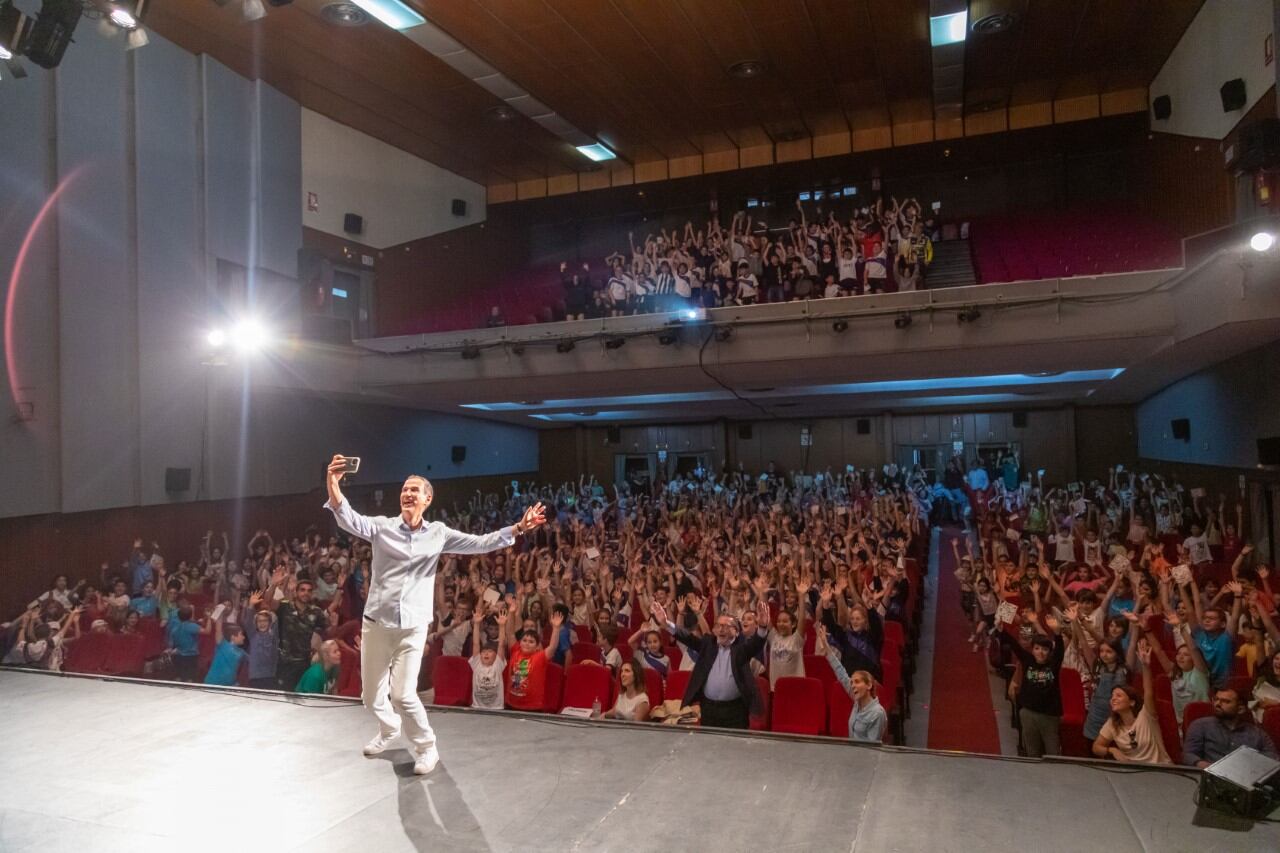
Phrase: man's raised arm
(457, 542)
(348, 519)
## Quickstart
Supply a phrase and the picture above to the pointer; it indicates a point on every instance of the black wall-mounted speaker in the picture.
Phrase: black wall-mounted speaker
(1019, 420)
(1233, 95)
(459, 207)
(459, 453)
(177, 479)
(744, 432)
(864, 426)
(353, 223)
(1180, 428)
(1162, 107)
(1269, 451)
(615, 435)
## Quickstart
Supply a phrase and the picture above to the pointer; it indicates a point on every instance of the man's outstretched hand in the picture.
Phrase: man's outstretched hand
(534, 517)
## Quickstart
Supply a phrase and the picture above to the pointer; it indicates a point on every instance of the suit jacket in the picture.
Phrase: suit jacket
(742, 651)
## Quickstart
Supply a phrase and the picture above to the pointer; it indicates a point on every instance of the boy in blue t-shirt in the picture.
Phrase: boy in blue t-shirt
(227, 655)
(184, 639)
(1213, 637)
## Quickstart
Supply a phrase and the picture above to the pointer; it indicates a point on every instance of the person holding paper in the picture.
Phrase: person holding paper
(398, 610)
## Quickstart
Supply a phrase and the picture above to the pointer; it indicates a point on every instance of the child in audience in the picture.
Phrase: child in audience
(487, 665)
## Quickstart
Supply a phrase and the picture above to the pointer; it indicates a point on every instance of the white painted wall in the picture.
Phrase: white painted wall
(400, 196)
(166, 162)
(1225, 41)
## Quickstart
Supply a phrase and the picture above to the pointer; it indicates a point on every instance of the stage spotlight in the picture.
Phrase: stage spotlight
(615, 342)
(565, 345)
(250, 336)
(216, 338)
(517, 349)
(470, 351)
(14, 27)
(969, 315)
(51, 33)
(253, 10)
(667, 337)
(724, 334)
(840, 326)
(127, 15)
(1262, 241)
(902, 321)
(694, 314)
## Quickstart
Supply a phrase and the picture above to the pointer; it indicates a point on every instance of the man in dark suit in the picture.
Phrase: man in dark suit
(721, 681)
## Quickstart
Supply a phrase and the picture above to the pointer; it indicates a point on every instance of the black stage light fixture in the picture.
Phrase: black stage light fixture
(616, 342)
(470, 351)
(667, 337)
(724, 334)
(517, 349)
(51, 33)
(14, 30)
(840, 326)
(902, 321)
(969, 315)
(565, 345)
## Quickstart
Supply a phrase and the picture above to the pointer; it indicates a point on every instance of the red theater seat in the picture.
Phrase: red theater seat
(677, 682)
(839, 709)
(652, 687)
(799, 706)
(1194, 711)
(451, 676)
(554, 689)
(584, 685)
(125, 654)
(87, 655)
(583, 652)
(760, 722)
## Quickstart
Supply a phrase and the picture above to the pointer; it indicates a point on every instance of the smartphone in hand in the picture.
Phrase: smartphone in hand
(351, 466)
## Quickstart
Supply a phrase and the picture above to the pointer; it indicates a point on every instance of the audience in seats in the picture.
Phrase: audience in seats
(650, 580)
(846, 250)
(1145, 590)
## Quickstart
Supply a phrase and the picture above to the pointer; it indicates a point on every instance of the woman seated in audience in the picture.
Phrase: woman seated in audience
(1131, 733)
(632, 702)
(1266, 691)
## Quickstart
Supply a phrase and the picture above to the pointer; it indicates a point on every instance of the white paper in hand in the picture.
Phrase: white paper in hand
(593, 554)
(1181, 574)
(1006, 613)
(1120, 564)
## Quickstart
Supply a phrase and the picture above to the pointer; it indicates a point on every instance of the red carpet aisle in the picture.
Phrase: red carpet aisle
(961, 716)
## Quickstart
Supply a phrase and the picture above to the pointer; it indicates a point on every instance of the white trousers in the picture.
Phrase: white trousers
(389, 662)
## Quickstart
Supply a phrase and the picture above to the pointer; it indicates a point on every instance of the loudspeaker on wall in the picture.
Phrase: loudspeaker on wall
(1233, 95)
(614, 435)
(744, 432)
(177, 479)
(459, 453)
(1180, 428)
(1269, 451)
(864, 426)
(353, 223)
(1162, 107)
(459, 207)
(1020, 420)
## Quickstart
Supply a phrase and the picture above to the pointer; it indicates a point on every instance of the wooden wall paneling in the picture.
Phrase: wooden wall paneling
(1133, 100)
(1023, 116)
(562, 184)
(1077, 108)
(536, 188)
(992, 121)
(720, 161)
(652, 171)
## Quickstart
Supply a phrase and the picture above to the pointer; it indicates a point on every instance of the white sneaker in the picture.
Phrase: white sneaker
(426, 761)
(379, 743)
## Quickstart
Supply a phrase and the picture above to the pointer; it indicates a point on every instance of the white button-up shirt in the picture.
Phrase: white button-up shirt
(403, 572)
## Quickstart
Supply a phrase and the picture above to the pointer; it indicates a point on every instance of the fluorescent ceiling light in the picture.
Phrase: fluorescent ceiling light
(948, 29)
(340, 293)
(596, 152)
(393, 13)
(894, 386)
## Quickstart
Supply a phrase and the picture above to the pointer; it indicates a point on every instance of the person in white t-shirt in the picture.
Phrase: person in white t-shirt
(487, 664)
(1064, 546)
(786, 640)
(1197, 545)
(632, 702)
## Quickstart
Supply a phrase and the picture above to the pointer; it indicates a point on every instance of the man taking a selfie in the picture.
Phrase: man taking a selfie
(399, 609)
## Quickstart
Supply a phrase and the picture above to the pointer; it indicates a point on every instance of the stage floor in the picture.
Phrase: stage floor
(93, 765)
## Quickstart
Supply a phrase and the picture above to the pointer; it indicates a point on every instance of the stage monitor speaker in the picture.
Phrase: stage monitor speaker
(459, 453)
(1269, 451)
(1180, 428)
(864, 426)
(614, 435)
(1233, 97)
(177, 479)
(744, 432)
(459, 207)
(353, 223)
(1240, 783)
(1162, 107)
(1019, 420)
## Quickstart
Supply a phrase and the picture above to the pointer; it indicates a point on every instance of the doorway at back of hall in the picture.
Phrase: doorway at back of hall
(642, 469)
